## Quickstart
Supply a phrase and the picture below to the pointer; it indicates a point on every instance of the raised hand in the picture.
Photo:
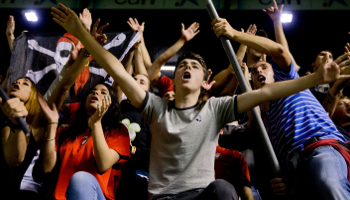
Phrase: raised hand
(274, 12)
(222, 27)
(100, 111)
(207, 84)
(251, 30)
(97, 33)
(75, 50)
(329, 72)
(190, 32)
(10, 26)
(135, 26)
(51, 114)
(14, 108)
(86, 19)
(68, 20)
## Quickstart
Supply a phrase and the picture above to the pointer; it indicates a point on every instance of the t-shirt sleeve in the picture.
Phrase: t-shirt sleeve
(225, 109)
(152, 107)
(243, 178)
(279, 75)
(119, 140)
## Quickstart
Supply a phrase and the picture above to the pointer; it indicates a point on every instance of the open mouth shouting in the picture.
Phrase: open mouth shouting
(93, 99)
(261, 79)
(186, 76)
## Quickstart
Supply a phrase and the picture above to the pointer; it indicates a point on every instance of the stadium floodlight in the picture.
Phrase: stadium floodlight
(31, 16)
(286, 18)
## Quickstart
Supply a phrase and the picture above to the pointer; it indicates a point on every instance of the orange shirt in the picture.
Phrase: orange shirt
(78, 156)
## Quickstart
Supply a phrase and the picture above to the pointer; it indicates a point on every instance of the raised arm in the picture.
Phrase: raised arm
(261, 44)
(140, 67)
(187, 35)
(105, 157)
(335, 92)
(48, 156)
(70, 21)
(327, 72)
(222, 77)
(275, 14)
(135, 26)
(10, 31)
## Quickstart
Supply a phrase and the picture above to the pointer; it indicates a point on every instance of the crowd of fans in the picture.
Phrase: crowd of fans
(147, 136)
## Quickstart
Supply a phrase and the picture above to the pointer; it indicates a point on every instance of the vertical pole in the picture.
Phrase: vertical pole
(260, 128)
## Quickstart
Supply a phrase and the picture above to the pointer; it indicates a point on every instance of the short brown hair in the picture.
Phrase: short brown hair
(190, 55)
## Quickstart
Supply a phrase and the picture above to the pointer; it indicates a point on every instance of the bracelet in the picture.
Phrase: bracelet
(85, 52)
(50, 139)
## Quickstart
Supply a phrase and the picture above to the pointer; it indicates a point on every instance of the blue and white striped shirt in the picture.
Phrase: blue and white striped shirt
(292, 120)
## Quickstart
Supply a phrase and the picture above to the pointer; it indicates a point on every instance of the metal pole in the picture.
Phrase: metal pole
(244, 86)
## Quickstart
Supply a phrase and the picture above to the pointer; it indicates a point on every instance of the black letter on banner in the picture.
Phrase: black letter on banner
(137, 2)
(144, 1)
(117, 2)
(263, 3)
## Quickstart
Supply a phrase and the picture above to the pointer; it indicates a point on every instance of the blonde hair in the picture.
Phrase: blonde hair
(32, 104)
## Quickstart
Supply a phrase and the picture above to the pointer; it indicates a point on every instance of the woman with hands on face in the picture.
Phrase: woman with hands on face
(91, 150)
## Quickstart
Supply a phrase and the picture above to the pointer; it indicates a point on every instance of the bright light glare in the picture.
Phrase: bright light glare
(167, 68)
(286, 18)
(31, 16)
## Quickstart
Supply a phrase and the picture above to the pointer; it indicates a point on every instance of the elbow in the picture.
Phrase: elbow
(102, 168)
(15, 161)
(278, 51)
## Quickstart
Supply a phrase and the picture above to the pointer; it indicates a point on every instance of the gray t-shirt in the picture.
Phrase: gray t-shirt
(184, 142)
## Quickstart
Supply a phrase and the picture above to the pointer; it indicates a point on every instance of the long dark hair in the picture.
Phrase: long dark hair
(110, 121)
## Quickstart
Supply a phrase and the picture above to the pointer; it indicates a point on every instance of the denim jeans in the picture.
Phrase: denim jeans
(324, 175)
(84, 186)
(216, 190)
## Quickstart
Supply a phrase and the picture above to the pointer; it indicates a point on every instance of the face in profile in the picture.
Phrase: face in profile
(143, 81)
(342, 111)
(20, 88)
(262, 74)
(189, 75)
(95, 97)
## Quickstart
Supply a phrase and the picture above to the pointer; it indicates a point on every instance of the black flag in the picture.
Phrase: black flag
(41, 57)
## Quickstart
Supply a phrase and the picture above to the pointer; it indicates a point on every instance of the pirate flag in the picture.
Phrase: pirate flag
(41, 57)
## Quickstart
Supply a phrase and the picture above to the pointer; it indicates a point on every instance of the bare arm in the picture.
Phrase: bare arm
(135, 26)
(247, 193)
(10, 31)
(139, 63)
(328, 72)
(261, 44)
(334, 94)
(187, 35)
(275, 14)
(48, 156)
(70, 21)
(222, 77)
(13, 140)
(105, 157)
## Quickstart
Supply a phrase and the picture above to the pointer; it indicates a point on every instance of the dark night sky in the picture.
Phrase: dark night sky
(309, 33)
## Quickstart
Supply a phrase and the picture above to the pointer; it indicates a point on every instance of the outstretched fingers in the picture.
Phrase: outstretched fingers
(99, 31)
